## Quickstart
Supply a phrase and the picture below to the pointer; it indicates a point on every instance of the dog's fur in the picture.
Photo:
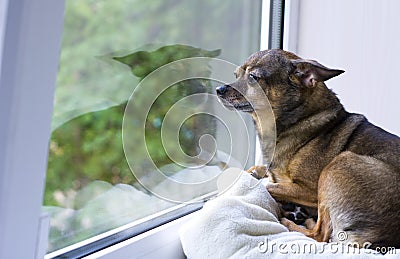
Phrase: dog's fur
(325, 157)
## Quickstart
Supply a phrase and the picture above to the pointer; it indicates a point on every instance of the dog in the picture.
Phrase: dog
(325, 157)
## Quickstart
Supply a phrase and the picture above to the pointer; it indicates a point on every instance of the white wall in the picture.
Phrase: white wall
(360, 36)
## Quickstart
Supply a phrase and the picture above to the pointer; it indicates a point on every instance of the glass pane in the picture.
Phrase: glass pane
(109, 47)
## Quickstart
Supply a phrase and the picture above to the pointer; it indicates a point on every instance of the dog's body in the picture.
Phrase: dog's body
(325, 157)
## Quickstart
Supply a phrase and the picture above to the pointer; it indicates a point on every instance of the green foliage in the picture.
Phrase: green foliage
(85, 149)
(89, 147)
(143, 63)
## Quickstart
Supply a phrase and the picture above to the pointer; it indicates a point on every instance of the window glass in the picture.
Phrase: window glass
(110, 48)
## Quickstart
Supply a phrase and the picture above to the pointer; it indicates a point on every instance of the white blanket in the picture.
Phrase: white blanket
(243, 223)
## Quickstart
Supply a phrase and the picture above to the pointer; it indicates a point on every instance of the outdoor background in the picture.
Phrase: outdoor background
(89, 186)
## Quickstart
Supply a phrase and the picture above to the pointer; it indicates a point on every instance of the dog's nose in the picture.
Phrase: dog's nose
(221, 89)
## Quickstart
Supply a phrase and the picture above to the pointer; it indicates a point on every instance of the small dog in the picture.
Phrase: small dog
(325, 157)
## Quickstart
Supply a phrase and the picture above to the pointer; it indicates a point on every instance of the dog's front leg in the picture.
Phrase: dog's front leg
(292, 192)
(258, 171)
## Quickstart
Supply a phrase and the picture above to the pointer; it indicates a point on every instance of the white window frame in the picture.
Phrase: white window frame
(30, 44)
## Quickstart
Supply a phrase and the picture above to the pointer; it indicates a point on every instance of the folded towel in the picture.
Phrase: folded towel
(243, 223)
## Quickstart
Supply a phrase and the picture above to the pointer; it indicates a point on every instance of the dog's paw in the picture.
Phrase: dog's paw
(258, 171)
(310, 223)
(289, 224)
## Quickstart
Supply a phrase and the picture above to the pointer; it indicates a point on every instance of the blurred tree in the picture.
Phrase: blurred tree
(89, 147)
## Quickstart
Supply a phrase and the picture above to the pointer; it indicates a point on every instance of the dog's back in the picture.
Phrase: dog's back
(370, 140)
(362, 188)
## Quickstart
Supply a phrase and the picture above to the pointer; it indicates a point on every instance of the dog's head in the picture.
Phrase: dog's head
(284, 78)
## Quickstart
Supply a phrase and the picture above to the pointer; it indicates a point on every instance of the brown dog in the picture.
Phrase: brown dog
(325, 157)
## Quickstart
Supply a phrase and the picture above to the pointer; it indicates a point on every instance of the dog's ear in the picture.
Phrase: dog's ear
(309, 72)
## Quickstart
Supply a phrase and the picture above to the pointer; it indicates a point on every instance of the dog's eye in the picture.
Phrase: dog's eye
(253, 79)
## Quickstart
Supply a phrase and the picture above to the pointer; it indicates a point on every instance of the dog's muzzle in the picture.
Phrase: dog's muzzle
(233, 99)
(221, 90)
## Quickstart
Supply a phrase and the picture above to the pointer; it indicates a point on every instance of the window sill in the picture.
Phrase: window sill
(160, 242)
(139, 230)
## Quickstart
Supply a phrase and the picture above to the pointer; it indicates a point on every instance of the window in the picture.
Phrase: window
(122, 149)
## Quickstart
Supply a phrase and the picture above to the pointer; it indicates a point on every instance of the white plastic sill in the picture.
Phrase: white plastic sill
(160, 242)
